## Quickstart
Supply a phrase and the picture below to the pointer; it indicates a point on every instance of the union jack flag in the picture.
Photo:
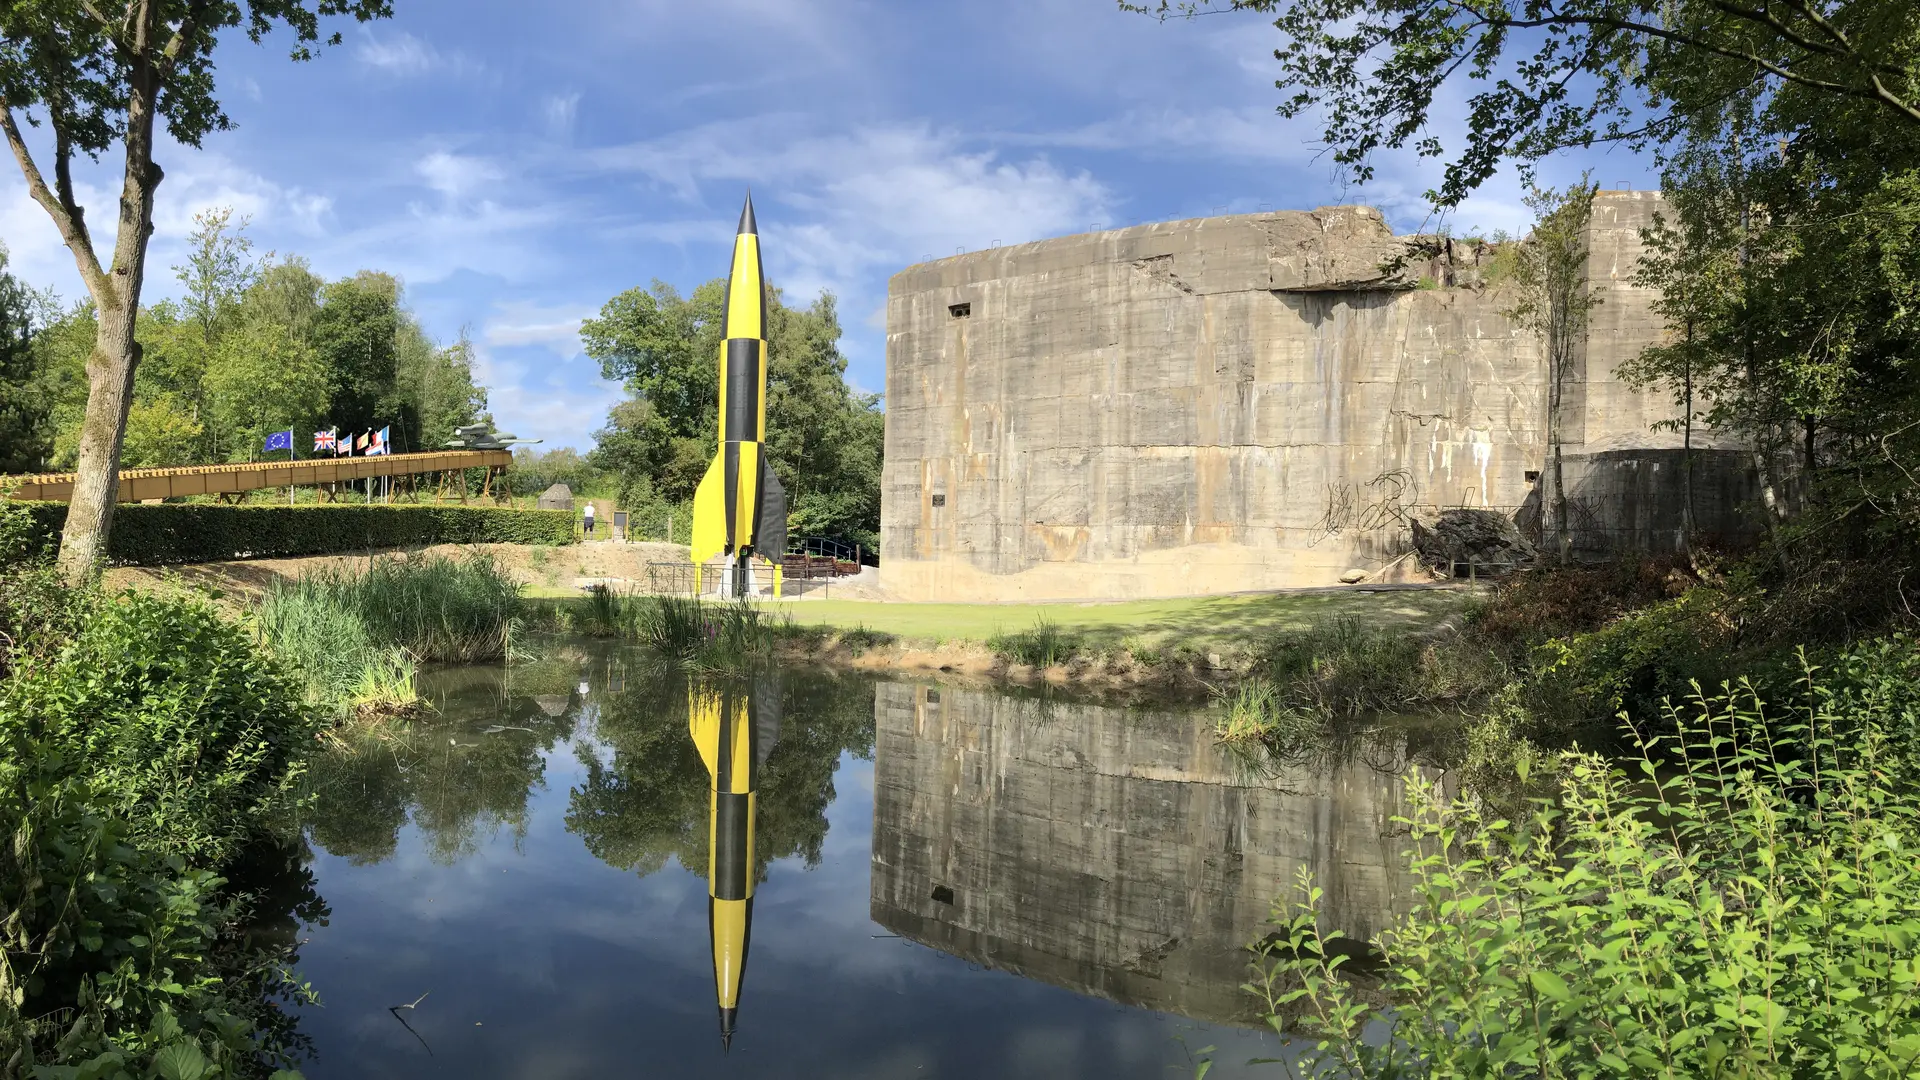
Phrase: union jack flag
(324, 440)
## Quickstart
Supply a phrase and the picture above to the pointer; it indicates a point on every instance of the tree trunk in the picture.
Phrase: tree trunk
(1686, 462)
(96, 487)
(116, 355)
(1559, 352)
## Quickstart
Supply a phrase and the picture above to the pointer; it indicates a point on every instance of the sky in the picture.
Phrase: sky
(517, 165)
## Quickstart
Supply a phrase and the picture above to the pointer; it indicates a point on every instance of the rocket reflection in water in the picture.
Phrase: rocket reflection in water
(734, 728)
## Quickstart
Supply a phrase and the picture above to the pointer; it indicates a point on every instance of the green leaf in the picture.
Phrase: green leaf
(181, 1061)
(1553, 986)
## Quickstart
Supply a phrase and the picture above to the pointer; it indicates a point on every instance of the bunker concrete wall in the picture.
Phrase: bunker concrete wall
(1241, 402)
(1115, 852)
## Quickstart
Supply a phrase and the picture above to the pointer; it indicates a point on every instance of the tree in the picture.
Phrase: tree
(823, 440)
(263, 379)
(97, 74)
(1550, 281)
(438, 388)
(26, 404)
(287, 293)
(1553, 74)
(354, 332)
(219, 268)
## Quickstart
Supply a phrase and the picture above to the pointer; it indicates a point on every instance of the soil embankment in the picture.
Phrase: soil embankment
(1177, 647)
(552, 571)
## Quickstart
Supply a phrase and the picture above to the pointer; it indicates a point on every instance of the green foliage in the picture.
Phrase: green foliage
(823, 439)
(143, 743)
(155, 535)
(533, 472)
(436, 608)
(1636, 661)
(1044, 644)
(683, 630)
(356, 636)
(184, 726)
(1738, 900)
(1346, 666)
(1253, 711)
(26, 431)
(1371, 70)
(260, 346)
(321, 639)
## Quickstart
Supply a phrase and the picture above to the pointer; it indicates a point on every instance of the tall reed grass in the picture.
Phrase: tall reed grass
(1043, 644)
(681, 628)
(356, 637)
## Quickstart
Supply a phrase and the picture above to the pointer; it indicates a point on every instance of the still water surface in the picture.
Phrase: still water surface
(947, 883)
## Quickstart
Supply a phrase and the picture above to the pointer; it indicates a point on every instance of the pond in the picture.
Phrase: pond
(538, 881)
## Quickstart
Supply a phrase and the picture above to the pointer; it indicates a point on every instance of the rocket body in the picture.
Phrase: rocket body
(739, 509)
(734, 738)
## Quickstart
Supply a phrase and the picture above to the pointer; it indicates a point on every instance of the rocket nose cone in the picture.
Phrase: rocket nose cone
(726, 1028)
(746, 218)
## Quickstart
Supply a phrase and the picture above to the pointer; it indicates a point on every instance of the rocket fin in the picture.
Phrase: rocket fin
(770, 530)
(710, 514)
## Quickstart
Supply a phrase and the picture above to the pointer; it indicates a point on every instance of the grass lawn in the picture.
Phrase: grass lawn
(1201, 623)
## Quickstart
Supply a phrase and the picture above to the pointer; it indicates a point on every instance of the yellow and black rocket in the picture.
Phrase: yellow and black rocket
(734, 730)
(739, 509)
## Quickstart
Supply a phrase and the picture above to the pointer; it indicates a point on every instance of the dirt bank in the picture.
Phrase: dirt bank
(971, 662)
(550, 570)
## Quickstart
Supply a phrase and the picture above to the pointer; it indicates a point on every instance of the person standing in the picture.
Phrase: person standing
(587, 520)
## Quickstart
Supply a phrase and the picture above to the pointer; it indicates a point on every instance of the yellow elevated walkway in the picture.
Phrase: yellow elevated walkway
(139, 484)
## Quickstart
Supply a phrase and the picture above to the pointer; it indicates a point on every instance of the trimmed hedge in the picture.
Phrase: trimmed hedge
(153, 534)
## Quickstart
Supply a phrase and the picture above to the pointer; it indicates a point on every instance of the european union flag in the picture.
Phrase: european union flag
(281, 440)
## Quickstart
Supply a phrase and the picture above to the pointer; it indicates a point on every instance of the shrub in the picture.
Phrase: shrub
(1640, 658)
(138, 753)
(1342, 666)
(1738, 903)
(154, 535)
(187, 733)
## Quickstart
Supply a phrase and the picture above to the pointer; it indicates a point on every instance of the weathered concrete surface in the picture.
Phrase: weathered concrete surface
(1228, 403)
(1115, 852)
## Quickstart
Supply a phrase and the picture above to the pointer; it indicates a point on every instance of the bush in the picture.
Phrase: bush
(185, 729)
(1738, 903)
(138, 754)
(157, 534)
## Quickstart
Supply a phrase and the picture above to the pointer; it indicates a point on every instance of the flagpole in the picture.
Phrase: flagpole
(290, 457)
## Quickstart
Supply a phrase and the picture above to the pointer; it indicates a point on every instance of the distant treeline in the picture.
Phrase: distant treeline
(255, 345)
(824, 437)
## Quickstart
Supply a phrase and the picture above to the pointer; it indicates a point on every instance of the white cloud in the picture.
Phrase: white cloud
(563, 403)
(402, 55)
(559, 112)
(554, 327)
(398, 54)
(838, 207)
(457, 175)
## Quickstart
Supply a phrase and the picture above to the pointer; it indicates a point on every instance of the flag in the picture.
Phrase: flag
(360, 441)
(323, 440)
(281, 440)
(380, 443)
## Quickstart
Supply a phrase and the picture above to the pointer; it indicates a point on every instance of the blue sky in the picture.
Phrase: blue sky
(518, 164)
